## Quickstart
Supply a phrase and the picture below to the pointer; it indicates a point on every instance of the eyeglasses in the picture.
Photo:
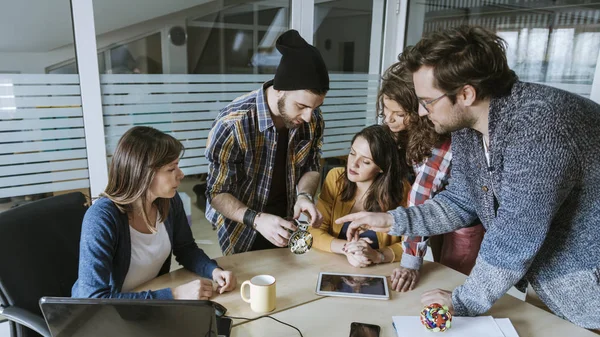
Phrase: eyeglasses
(424, 103)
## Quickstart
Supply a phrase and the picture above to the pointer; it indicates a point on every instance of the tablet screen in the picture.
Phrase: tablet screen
(349, 284)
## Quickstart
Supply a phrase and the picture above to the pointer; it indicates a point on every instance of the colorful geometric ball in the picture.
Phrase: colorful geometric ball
(436, 318)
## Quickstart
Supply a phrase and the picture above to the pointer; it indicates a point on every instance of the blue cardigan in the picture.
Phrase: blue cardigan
(105, 252)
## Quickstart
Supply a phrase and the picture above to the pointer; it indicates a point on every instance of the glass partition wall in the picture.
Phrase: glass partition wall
(174, 65)
(42, 140)
(555, 42)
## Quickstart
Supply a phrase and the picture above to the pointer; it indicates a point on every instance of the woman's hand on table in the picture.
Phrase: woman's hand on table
(200, 289)
(225, 279)
(404, 279)
(362, 247)
(357, 260)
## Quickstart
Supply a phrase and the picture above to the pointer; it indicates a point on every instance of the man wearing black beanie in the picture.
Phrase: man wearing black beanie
(264, 152)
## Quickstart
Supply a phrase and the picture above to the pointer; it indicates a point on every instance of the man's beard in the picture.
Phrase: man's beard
(458, 121)
(289, 123)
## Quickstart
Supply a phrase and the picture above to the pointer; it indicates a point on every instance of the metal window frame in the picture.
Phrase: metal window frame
(91, 98)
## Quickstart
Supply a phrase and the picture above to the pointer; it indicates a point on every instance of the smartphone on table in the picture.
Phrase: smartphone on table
(364, 330)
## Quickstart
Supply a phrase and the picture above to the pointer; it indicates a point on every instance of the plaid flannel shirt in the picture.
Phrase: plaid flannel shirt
(431, 178)
(241, 150)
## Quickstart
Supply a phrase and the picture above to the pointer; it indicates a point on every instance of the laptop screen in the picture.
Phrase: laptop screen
(75, 317)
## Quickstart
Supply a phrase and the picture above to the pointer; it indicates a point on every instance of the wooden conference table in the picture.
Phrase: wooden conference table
(297, 304)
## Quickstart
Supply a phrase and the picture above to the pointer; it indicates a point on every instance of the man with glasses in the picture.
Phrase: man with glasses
(526, 162)
(425, 103)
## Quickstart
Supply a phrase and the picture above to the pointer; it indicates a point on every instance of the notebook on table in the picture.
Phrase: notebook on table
(410, 326)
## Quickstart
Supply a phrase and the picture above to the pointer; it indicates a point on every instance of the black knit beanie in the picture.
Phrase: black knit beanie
(301, 66)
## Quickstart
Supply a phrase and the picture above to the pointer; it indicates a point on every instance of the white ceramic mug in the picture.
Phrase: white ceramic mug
(262, 293)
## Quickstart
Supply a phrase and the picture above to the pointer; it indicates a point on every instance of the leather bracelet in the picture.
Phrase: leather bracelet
(249, 217)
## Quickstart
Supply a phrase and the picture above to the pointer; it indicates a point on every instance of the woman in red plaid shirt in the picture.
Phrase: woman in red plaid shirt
(430, 155)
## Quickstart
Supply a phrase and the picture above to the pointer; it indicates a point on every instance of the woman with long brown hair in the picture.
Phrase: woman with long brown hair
(430, 155)
(130, 232)
(369, 182)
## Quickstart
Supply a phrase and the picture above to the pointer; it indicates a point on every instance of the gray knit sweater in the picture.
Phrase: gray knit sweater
(538, 201)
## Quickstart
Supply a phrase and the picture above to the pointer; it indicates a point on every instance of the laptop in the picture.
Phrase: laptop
(79, 317)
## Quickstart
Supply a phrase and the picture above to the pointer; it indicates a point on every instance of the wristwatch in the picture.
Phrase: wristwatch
(307, 195)
(301, 240)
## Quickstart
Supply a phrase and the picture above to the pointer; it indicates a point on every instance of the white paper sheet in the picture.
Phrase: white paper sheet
(410, 326)
(506, 326)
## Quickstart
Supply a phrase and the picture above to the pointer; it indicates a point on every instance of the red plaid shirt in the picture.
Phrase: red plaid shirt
(431, 178)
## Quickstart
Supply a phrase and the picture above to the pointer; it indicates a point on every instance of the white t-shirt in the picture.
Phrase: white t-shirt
(148, 254)
(487, 151)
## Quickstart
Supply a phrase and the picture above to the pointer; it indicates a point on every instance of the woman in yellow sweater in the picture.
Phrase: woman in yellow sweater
(369, 182)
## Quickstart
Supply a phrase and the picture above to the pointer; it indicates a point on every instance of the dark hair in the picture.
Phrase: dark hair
(465, 55)
(415, 143)
(141, 152)
(387, 191)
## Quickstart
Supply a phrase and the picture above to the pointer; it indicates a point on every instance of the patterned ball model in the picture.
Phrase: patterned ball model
(436, 318)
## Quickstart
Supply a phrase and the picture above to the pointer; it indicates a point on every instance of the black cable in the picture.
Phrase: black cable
(267, 316)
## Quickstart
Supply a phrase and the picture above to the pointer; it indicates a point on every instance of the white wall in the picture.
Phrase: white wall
(4, 329)
(24, 63)
(176, 56)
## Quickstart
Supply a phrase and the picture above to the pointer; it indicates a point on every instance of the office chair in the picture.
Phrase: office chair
(39, 256)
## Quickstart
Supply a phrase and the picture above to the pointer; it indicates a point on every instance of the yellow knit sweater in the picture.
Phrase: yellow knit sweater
(332, 207)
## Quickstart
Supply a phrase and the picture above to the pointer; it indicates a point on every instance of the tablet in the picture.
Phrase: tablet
(353, 285)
